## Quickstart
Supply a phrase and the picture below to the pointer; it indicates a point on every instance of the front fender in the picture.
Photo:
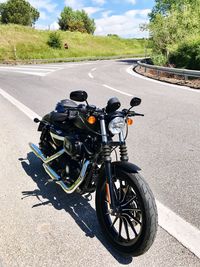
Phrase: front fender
(126, 166)
(122, 165)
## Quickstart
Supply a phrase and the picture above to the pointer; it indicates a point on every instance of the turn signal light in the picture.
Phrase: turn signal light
(129, 122)
(91, 120)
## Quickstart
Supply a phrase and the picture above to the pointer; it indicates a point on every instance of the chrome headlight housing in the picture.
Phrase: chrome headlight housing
(116, 125)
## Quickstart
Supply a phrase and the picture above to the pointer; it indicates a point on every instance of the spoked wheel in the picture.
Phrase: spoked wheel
(131, 229)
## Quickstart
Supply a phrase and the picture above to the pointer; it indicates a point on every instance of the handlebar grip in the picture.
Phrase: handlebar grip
(133, 113)
(138, 114)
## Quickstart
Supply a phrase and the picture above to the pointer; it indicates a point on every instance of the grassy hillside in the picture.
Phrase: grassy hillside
(32, 44)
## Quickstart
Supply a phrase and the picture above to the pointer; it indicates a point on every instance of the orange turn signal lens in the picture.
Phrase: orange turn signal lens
(91, 120)
(129, 122)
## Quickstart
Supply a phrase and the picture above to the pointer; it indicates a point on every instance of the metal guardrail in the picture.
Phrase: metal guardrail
(182, 72)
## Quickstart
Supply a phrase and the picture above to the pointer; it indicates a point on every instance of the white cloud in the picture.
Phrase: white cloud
(105, 14)
(91, 10)
(139, 12)
(75, 4)
(99, 2)
(133, 2)
(47, 5)
(125, 25)
(54, 26)
(43, 15)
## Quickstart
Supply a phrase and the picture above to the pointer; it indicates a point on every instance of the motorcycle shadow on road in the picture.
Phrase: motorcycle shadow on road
(76, 205)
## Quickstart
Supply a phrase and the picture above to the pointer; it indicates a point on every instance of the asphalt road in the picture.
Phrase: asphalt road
(41, 225)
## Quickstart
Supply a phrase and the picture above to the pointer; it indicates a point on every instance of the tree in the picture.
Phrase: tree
(88, 23)
(71, 20)
(18, 12)
(66, 17)
(163, 7)
(172, 25)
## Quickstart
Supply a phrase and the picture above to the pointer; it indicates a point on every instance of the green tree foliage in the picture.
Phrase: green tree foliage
(71, 20)
(18, 12)
(187, 55)
(172, 23)
(54, 40)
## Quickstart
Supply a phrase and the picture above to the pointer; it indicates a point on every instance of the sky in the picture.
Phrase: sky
(121, 17)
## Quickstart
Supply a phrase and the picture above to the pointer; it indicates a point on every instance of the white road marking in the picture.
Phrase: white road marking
(131, 72)
(31, 70)
(116, 90)
(32, 73)
(184, 232)
(41, 70)
(90, 75)
(27, 111)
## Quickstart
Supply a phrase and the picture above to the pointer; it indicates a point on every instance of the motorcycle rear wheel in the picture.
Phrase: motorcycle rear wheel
(132, 230)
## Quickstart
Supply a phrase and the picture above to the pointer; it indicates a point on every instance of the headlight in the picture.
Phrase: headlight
(116, 125)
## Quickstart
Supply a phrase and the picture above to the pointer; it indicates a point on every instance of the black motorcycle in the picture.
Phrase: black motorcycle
(75, 147)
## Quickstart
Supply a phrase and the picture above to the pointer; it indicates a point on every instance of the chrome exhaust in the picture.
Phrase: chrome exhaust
(40, 155)
(57, 178)
(54, 176)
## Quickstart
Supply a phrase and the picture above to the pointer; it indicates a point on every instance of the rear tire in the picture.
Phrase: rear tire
(132, 231)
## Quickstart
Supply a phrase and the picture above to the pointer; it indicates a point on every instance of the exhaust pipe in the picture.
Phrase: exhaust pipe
(54, 176)
(57, 178)
(40, 155)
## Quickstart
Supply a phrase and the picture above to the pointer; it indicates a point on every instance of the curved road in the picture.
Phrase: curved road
(52, 229)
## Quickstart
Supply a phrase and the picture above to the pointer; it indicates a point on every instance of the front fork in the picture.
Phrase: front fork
(107, 162)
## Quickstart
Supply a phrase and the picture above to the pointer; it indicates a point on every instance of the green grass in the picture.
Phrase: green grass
(32, 44)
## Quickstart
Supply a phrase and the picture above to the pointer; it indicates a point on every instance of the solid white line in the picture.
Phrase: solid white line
(90, 75)
(27, 111)
(116, 90)
(131, 72)
(41, 67)
(32, 73)
(27, 69)
(184, 232)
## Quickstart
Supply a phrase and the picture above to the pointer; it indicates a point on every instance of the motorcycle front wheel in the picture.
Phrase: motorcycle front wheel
(131, 230)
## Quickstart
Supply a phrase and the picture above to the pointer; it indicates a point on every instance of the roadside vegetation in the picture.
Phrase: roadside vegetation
(74, 39)
(20, 42)
(175, 33)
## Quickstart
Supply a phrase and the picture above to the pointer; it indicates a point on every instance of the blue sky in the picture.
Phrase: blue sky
(120, 17)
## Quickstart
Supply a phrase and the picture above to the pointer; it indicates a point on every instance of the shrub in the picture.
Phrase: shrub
(187, 55)
(54, 40)
(159, 59)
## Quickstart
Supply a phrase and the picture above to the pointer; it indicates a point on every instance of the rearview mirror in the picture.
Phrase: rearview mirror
(79, 96)
(135, 102)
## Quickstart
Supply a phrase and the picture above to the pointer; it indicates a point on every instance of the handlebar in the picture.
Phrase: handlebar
(97, 111)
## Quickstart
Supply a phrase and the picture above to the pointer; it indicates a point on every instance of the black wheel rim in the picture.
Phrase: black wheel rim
(125, 226)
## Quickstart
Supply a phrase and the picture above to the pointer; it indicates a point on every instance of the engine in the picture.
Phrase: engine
(73, 147)
(79, 146)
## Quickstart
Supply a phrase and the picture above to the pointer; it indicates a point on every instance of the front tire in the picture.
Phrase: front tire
(132, 230)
